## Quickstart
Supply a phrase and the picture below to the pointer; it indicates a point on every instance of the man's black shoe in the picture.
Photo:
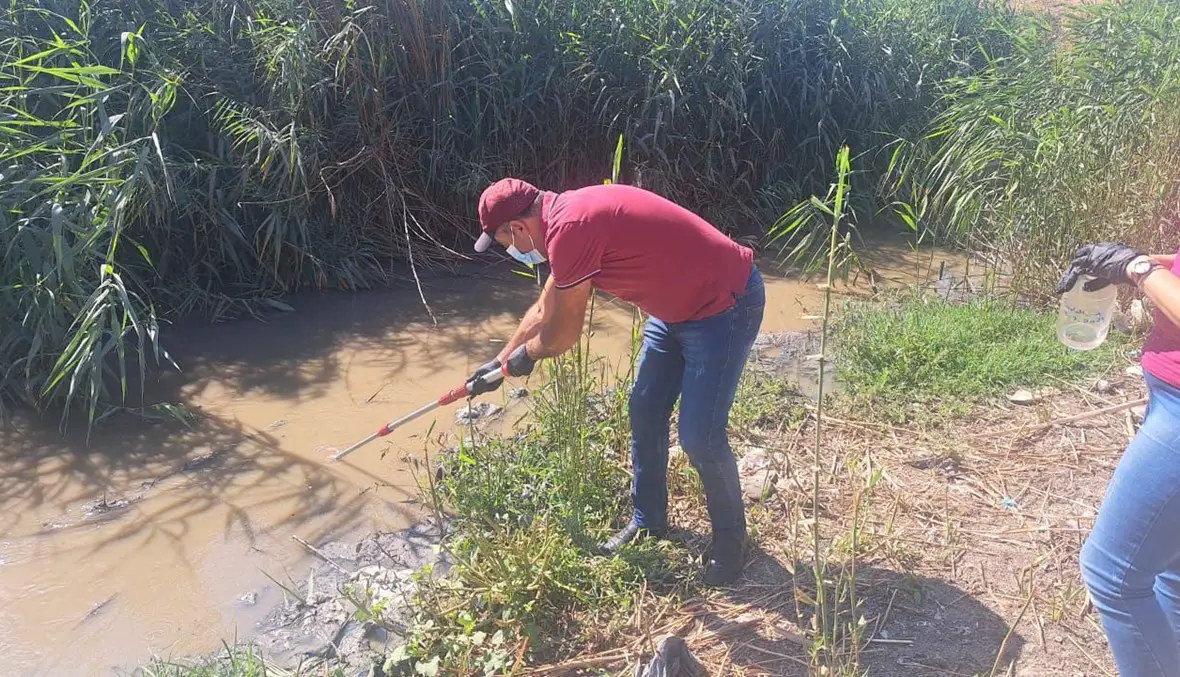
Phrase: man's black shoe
(725, 563)
(627, 534)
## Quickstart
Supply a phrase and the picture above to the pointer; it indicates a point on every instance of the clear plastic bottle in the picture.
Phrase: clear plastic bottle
(1084, 318)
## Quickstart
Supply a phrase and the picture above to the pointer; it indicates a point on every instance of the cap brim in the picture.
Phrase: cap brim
(484, 241)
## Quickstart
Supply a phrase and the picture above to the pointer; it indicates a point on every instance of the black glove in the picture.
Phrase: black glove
(519, 362)
(1106, 262)
(477, 386)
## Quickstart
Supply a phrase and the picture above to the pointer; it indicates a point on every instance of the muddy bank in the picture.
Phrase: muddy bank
(321, 618)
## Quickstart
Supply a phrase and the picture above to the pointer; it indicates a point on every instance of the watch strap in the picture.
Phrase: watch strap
(1139, 278)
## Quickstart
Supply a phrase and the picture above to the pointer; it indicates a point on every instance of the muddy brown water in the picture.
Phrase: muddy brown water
(154, 539)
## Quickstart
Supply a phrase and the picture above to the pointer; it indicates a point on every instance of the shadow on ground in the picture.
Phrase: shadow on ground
(915, 626)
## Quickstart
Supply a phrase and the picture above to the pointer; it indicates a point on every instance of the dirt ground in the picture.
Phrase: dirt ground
(968, 557)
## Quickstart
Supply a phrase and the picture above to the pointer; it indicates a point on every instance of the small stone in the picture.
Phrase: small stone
(249, 599)
(1103, 387)
(1134, 370)
(757, 475)
(518, 393)
(1023, 396)
(472, 413)
(1139, 412)
(477, 412)
(1140, 319)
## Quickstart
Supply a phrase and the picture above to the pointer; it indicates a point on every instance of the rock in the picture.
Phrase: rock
(351, 639)
(757, 475)
(248, 599)
(1134, 370)
(477, 412)
(1024, 396)
(1103, 387)
(518, 393)
(203, 461)
(103, 506)
(673, 658)
(1141, 320)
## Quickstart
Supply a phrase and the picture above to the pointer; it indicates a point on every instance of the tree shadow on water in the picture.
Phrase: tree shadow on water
(299, 355)
(147, 480)
(225, 463)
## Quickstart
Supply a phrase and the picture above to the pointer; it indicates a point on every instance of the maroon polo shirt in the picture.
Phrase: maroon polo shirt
(644, 249)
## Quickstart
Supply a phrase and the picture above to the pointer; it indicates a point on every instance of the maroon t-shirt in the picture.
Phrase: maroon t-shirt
(644, 249)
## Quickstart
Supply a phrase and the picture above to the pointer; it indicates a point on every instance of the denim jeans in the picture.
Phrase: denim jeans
(1131, 560)
(700, 362)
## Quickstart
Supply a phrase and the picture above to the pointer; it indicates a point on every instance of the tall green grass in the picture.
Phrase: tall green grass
(162, 159)
(924, 359)
(1074, 137)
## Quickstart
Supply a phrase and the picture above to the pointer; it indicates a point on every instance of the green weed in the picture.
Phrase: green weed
(231, 661)
(526, 515)
(764, 404)
(926, 359)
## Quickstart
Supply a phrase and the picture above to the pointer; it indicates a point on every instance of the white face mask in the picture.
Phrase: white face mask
(529, 258)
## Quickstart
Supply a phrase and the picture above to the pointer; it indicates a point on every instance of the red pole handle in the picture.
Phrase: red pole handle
(458, 393)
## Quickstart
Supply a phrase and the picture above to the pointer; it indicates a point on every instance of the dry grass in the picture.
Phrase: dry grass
(966, 557)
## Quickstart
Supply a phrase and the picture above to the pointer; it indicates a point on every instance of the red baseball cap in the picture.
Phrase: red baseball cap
(501, 202)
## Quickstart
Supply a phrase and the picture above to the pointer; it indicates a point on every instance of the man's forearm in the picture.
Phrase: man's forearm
(1165, 260)
(553, 325)
(550, 343)
(530, 326)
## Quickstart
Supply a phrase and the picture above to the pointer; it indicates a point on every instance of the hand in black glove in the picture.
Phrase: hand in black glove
(477, 386)
(519, 362)
(1106, 262)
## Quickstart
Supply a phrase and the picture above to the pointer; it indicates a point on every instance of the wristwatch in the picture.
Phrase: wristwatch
(1140, 268)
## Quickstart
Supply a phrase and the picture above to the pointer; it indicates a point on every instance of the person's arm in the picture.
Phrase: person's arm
(1163, 288)
(530, 325)
(563, 312)
(1165, 260)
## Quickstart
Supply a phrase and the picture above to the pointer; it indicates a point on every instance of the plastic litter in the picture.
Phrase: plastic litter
(672, 659)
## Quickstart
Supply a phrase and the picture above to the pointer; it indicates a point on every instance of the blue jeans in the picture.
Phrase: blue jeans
(700, 362)
(1131, 560)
